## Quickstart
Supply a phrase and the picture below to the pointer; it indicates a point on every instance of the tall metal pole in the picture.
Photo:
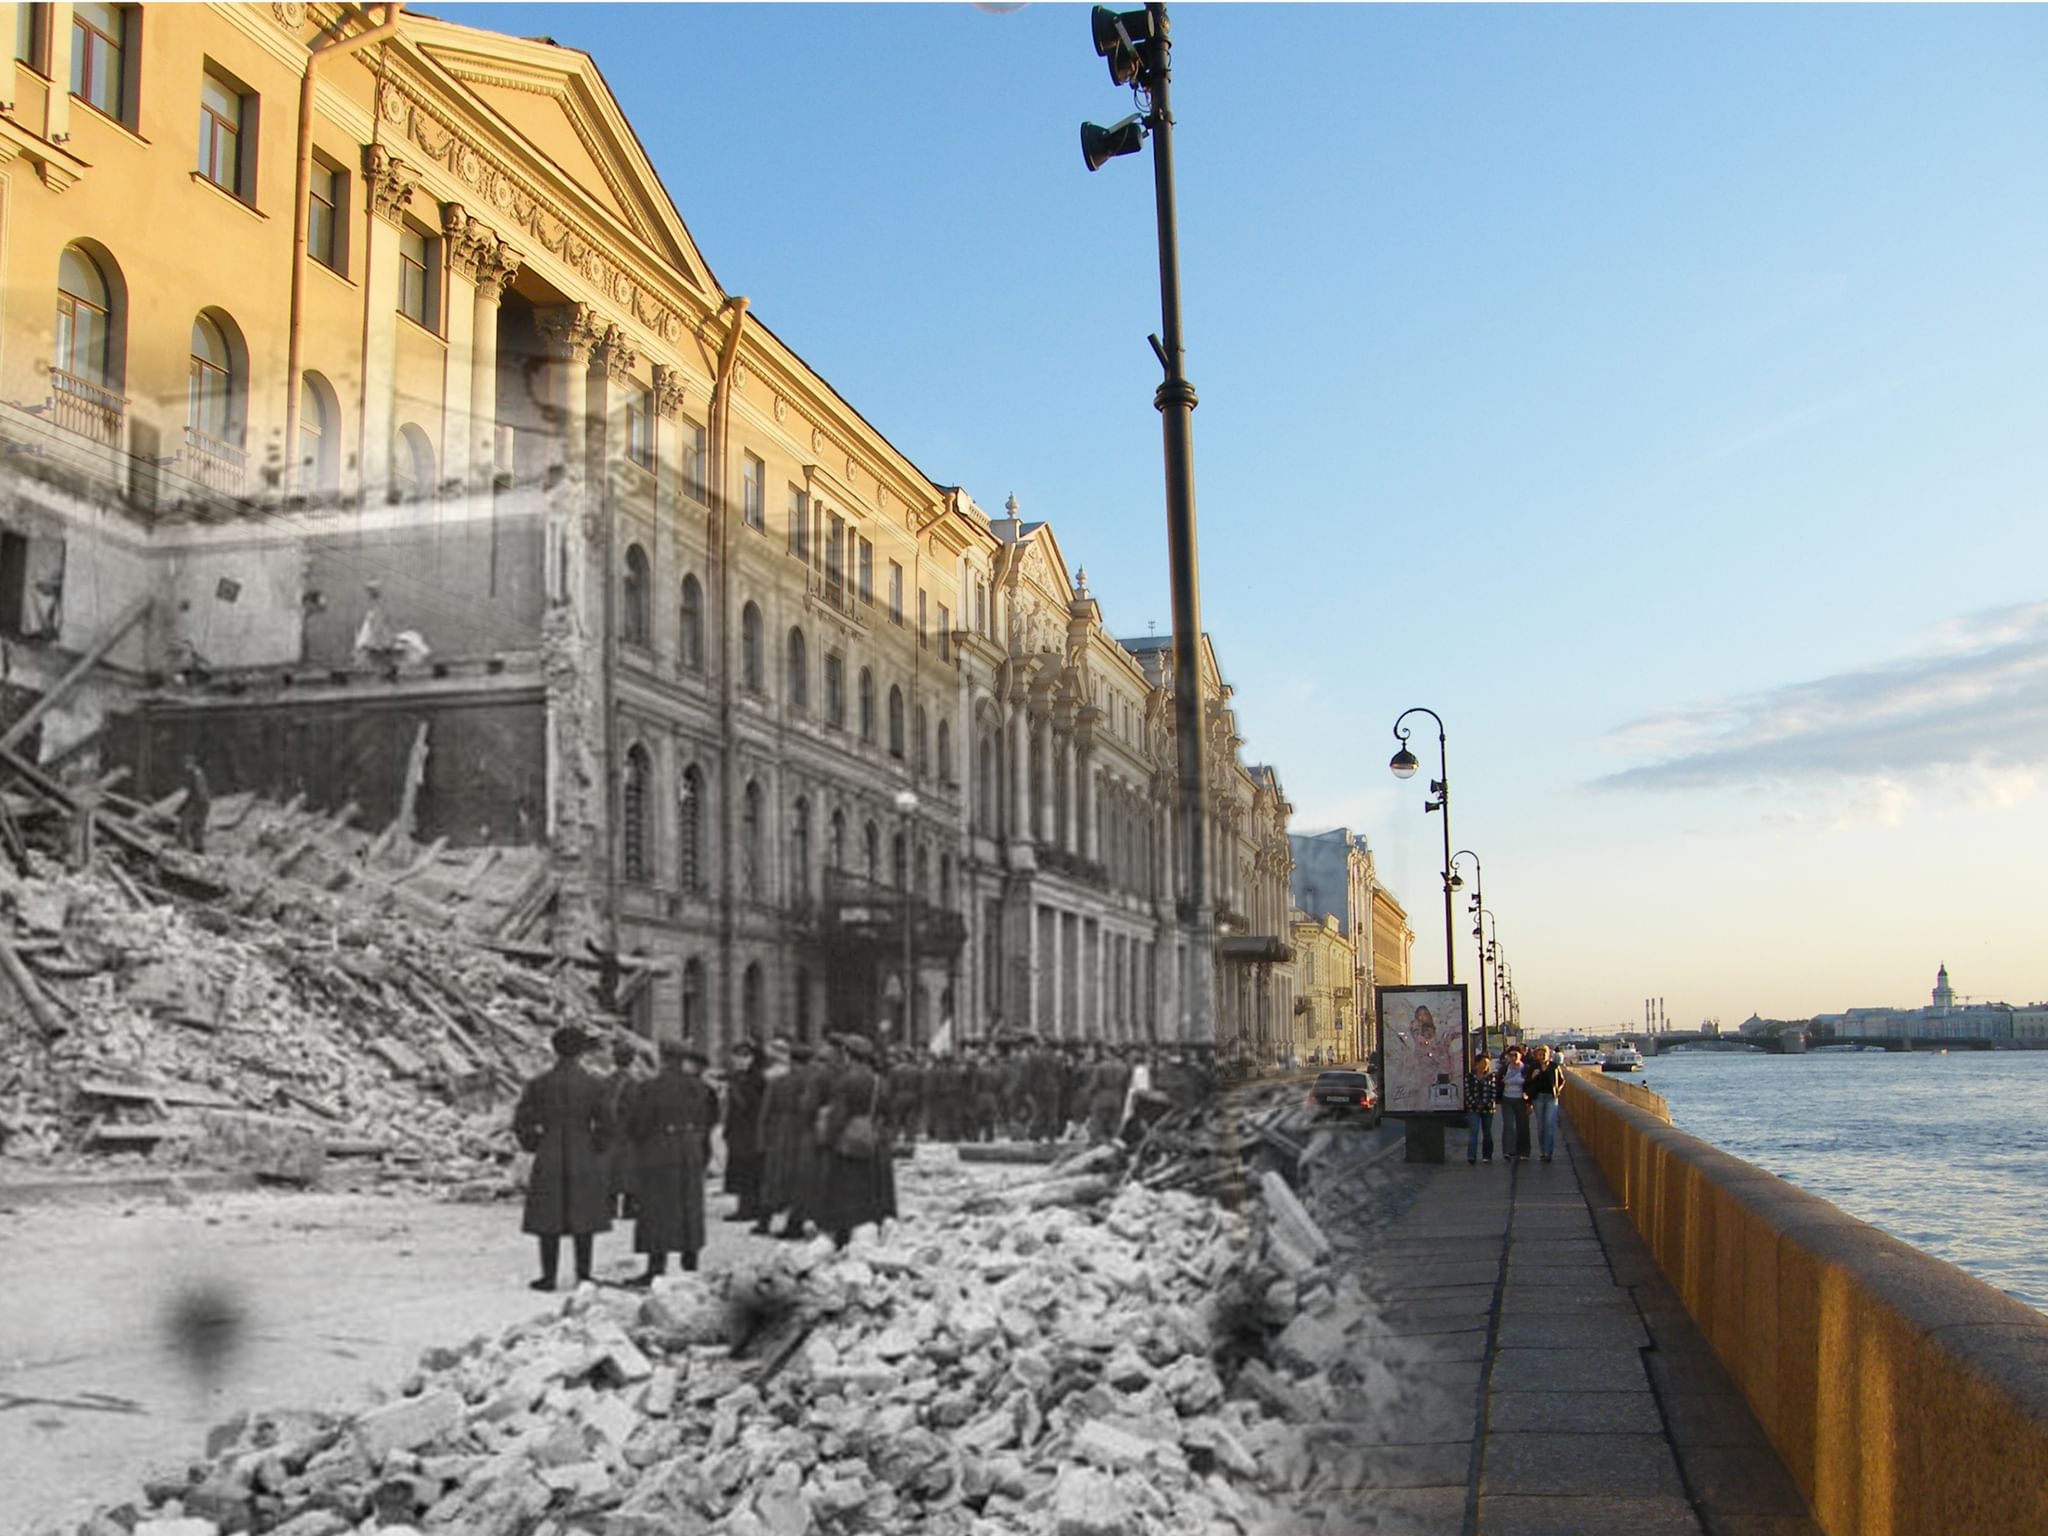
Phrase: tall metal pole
(1175, 400)
(1479, 939)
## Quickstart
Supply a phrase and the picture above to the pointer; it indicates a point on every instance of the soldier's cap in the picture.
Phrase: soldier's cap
(746, 1045)
(799, 1050)
(569, 1041)
(858, 1045)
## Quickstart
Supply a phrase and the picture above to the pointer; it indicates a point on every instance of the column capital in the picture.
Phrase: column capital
(571, 332)
(615, 355)
(390, 180)
(668, 391)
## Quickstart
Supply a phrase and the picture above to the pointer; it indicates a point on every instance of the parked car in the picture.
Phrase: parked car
(1345, 1095)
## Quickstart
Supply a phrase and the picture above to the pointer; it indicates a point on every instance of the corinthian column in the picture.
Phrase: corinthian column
(389, 185)
(495, 269)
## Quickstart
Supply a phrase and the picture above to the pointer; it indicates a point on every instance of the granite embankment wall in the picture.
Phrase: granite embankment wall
(1906, 1397)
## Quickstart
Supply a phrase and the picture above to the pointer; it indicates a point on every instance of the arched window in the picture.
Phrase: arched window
(945, 752)
(693, 1000)
(690, 830)
(214, 385)
(750, 648)
(946, 881)
(985, 793)
(899, 863)
(753, 1000)
(895, 721)
(636, 622)
(835, 691)
(753, 876)
(924, 743)
(800, 851)
(412, 465)
(874, 851)
(839, 839)
(867, 705)
(85, 320)
(319, 437)
(633, 814)
(924, 873)
(799, 685)
(690, 642)
(800, 986)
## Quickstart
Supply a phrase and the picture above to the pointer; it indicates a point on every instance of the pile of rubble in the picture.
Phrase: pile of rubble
(140, 1020)
(1148, 1363)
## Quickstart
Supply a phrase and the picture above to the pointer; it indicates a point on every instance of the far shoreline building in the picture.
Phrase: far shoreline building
(1942, 1019)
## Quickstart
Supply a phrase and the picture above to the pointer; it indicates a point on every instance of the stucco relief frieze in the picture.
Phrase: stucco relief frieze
(290, 14)
(405, 111)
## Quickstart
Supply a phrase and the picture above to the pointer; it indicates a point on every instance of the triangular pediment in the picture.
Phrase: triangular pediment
(554, 101)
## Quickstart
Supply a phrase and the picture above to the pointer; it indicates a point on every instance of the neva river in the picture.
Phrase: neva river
(1947, 1153)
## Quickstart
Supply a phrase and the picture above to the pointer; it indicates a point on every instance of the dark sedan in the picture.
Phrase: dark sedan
(1345, 1095)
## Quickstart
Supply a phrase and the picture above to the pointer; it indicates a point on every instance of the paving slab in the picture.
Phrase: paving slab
(1515, 1515)
(1616, 1466)
(1388, 1512)
(1445, 1464)
(1574, 1412)
(1570, 1370)
(1711, 1419)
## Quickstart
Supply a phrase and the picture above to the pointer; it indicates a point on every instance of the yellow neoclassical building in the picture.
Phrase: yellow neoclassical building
(373, 430)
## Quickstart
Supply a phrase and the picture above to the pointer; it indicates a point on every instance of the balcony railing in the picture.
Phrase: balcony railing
(217, 465)
(864, 910)
(832, 590)
(91, 410)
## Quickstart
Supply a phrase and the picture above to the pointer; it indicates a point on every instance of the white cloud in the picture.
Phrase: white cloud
(1964, 717)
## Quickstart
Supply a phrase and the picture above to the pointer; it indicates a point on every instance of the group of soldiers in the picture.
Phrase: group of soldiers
(808, 1129)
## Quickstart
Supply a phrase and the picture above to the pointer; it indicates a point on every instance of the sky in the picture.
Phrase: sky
(1656, 393)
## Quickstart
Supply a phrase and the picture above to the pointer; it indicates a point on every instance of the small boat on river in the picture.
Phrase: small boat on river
(1623, 1058)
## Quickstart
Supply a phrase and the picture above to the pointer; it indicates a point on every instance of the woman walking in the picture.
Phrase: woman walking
(1542, 1085)
(1480, 1094)
(1514, 1104)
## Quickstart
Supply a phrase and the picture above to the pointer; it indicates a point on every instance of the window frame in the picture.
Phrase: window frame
(864, 568)
(429, 268)
(835, 690)
(945, 633)
(690, 623)
(34, 49)
(122, 76)
(636, 597)
(895, 593)
(800, 523)
(639, 413)
(335, 258)
(240, 179)
(753, 492)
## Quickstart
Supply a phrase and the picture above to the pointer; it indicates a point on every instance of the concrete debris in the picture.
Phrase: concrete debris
(278, 1040)
(1137, 1367)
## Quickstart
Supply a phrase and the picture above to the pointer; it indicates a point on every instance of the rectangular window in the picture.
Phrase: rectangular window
(835, 691)
(923, 634)
(753, 501)
(945, 632)
(326, 205)
(640, 427)
(799, 523)
(419, 275)
(32, 37)
(867, 573)
(99, 56)
(220, 133)
(895, 593)
(835, 558)
(694, 465)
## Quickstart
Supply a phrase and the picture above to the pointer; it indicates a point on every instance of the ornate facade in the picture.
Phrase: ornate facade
(431, 468)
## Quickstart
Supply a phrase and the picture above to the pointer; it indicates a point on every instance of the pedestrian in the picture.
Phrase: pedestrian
(1514, 1103)
(1481, 1093)
(784, 1138)
(673, 1113)
(744, 1091)
(197, 809)
(904, 1091)
(618, 1099)
(853, 1145)
(1544, 1082)
(562, 1119)
(1109, 1081)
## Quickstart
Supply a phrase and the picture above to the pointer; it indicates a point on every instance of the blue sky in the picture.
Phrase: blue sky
(1657, 393)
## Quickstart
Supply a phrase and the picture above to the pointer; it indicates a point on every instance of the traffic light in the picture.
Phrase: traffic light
(1119, 35)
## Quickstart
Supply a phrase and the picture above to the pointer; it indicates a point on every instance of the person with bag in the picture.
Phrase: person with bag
(744, 1091)
(563, 1120)
(853, 1147)
(1480, 1094)
(672, 1115)
(1514, 1104)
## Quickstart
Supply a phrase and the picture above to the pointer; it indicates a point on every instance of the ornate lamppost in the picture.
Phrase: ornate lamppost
(1404, 764)
(1478, 904)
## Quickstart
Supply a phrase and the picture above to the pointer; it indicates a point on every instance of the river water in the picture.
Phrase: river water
(1948, 1153)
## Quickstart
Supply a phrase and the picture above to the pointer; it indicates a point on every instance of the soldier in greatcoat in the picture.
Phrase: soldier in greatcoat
(670, 1120)
(563, 1120)
(786, 1136)
(1109, 1080)
(1042, 1087)
(744, 1092)
(618, 1094)
(904, 1089)
(856, 1185)
(1074, 1074)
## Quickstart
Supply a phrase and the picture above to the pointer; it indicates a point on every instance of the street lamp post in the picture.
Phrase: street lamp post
(1478, 904)
(906, 802)
(1403, 764)
(1137, 47)
(1489, 949)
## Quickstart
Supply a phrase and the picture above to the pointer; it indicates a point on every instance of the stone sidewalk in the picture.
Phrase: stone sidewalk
(1551, 1382)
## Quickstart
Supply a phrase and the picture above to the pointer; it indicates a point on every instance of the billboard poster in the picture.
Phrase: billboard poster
(1422, 1034)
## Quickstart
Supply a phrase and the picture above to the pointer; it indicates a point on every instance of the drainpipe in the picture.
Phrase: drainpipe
(302, 186)
(720, 434)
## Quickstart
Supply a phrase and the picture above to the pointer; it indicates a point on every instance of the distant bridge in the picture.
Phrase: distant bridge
(1799, 1043)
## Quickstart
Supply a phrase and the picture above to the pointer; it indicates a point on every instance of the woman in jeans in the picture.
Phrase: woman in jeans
(1514, 1105)
(1541, 1085)
(1479, 1098)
